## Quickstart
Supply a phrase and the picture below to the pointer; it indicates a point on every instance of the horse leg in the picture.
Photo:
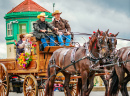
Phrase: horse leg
(50, 84)
(84, 75)
(66, 84)
(106, 83)
(126, 80)
(79, 87)
(50, 87)
(120, 72)
(91, 79)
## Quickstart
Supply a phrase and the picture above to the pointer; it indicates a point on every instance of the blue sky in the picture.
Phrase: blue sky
(84, 16)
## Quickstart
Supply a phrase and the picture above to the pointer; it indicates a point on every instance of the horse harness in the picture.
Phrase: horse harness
(72, 58)
(89, 56)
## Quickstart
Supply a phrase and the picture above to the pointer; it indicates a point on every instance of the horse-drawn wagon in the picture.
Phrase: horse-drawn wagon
(34, 75)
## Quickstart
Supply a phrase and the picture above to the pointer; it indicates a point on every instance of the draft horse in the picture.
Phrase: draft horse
(112, 42)
(62, 58)
(119, 81)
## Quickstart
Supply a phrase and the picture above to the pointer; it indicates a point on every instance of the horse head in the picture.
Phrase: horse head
(112, 41)
(98, 44)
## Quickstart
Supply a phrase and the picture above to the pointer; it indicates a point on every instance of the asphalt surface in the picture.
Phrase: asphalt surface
(93, 93)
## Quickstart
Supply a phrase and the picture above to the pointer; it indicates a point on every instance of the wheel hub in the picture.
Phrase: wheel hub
(29, 88)
(0, 82)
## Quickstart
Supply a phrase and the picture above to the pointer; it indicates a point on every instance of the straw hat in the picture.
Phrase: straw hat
(56, 12)
(42, 14)
(28, 35)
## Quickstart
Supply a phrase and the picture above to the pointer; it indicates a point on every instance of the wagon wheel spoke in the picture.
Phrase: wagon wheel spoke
(27, 81)
(30, 81)
(4, 81)
(33, 91)
(4, 88)
(33, 85)
(26, 86)
(4, 84)
(1, 72)
(27, 93)
(3, 76)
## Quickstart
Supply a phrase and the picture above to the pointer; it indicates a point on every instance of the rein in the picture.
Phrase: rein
(90, 58)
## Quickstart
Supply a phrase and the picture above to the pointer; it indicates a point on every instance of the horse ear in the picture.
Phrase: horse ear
(98, 31)
(116, 34)
(107, 31)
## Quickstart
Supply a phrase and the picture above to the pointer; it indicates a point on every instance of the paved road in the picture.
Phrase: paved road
(94, 93)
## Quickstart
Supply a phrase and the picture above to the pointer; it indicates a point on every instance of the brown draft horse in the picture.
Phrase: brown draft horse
(119, 81)
(58, 61)
(112, 42)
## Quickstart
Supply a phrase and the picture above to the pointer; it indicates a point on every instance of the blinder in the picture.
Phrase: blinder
(112, 41)
(100, 41)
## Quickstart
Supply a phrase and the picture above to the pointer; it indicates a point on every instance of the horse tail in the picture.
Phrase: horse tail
(48, 70)
(79, 86)
(47, 85)
(114, 84)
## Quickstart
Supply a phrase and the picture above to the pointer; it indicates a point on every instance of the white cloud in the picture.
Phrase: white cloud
(3, 50)
(83, 15)
(86, 16)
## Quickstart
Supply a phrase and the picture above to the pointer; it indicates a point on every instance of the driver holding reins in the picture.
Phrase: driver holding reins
(64, 30)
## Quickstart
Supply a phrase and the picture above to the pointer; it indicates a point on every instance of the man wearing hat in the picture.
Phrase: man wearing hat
(64, 30)
(40, 27)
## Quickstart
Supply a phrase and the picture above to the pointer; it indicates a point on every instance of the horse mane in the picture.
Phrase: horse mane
(111, 35)
(91, 41)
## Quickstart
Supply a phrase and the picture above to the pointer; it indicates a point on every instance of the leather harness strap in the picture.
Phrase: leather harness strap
(65, 55)
(73, 57)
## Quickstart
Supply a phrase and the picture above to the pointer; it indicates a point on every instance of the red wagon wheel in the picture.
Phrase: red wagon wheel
(30, 86)
(4, 81)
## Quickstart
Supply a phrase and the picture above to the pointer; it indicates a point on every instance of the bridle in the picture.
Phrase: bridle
(100, 41)
(113, 43)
